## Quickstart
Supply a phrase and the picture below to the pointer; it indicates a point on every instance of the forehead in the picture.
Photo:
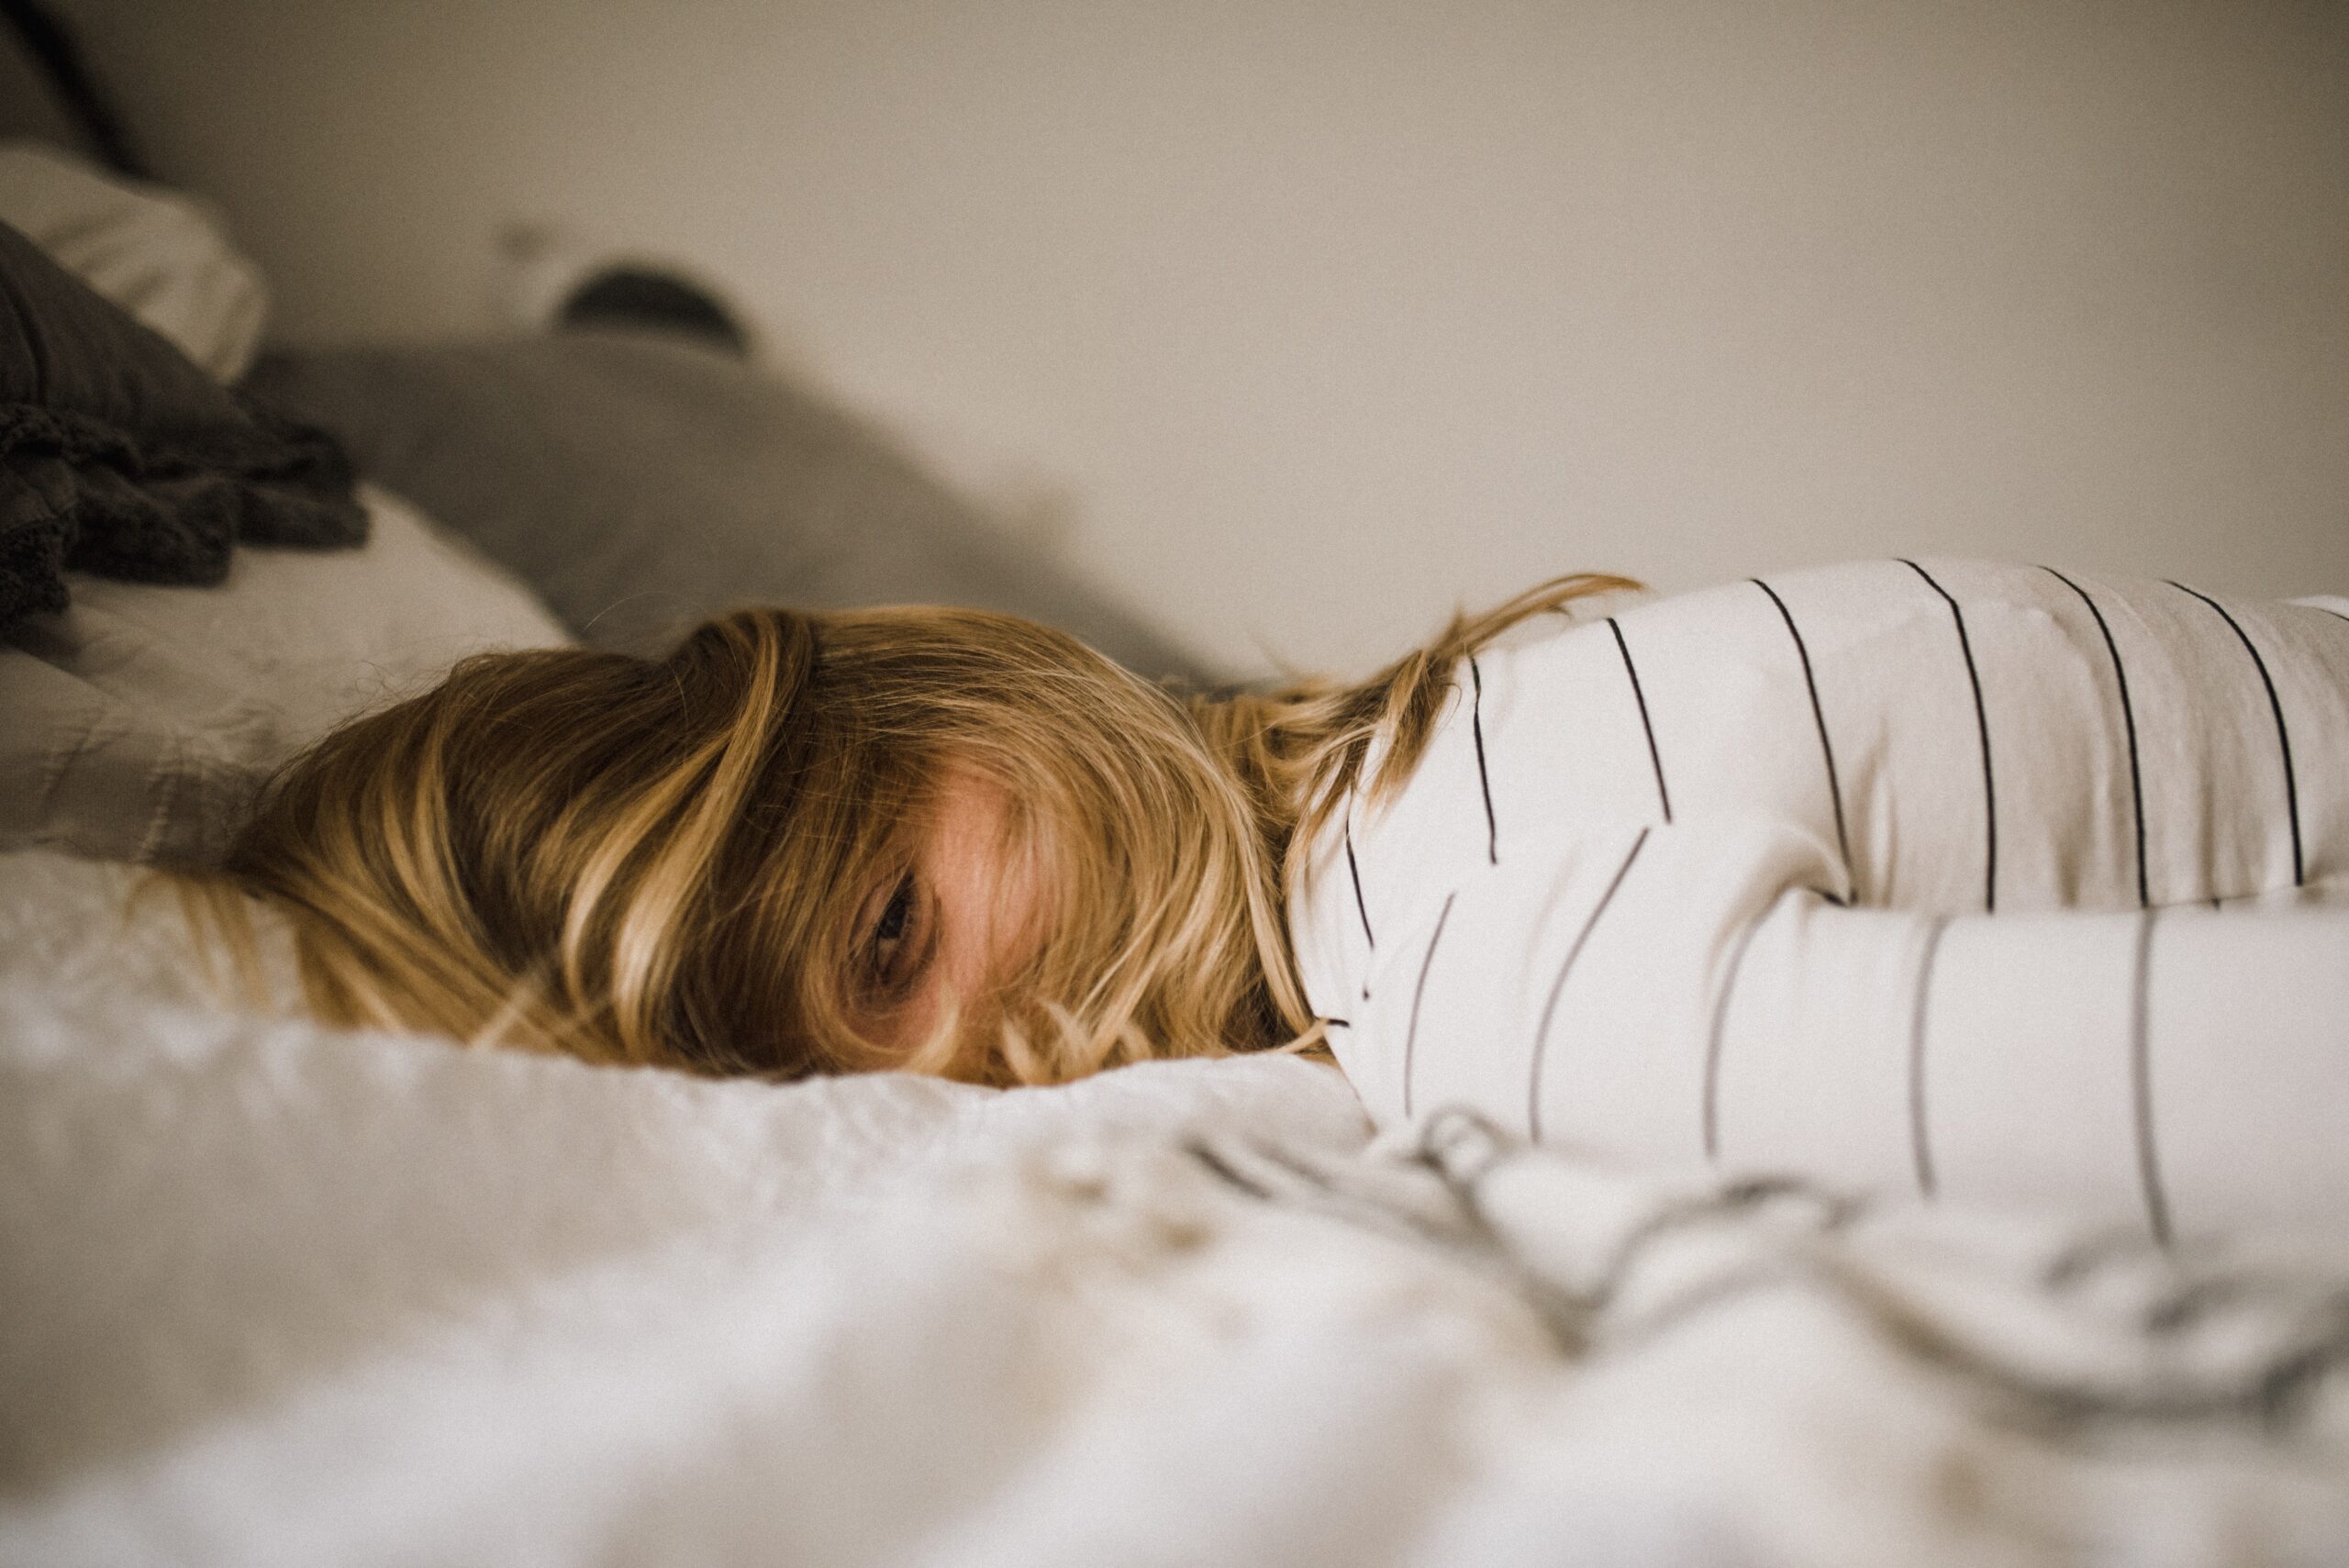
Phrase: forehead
(968, 806)
(983, 867)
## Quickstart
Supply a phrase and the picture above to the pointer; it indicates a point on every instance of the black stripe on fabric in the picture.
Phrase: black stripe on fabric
(1819, 717)
(1353, 873)
(2141, 1084)
(1484, 779)
(2129, 723)
(2283, 733)
(1712, 1106)
(1223, 1171)
(1550, 1008)
(1920, 1147)
(1419, 994)
(1655, 758)
(1338, 1023)
(1982, 726)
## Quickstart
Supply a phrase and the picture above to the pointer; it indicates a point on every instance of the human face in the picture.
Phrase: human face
(949, 926)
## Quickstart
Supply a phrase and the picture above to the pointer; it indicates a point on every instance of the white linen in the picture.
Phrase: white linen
(1976, 882)
(136, 724)
(282, 1294)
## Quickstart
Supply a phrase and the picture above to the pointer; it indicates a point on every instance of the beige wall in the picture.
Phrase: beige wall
(1306, 321)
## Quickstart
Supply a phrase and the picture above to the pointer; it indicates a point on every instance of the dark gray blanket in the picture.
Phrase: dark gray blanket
(119, 456)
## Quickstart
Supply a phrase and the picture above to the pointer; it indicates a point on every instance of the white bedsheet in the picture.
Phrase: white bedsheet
(275, 1293)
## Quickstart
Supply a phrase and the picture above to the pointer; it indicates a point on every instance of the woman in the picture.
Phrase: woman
(942, 840)
(1739, 873)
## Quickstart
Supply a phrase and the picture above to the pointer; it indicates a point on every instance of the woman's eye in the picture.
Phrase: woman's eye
(889, 948)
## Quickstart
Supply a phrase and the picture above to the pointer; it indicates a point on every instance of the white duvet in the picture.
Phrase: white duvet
(275, 1294)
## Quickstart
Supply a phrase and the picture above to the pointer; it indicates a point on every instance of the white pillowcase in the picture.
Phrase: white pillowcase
(157, 253)
(138, 724)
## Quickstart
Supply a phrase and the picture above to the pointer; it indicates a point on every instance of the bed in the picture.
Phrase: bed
(277, 1293)
(281, 1293)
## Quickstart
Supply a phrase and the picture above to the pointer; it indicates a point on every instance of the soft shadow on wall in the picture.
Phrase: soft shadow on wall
(1300, 322)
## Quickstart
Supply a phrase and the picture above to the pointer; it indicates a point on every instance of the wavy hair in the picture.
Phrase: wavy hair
(660, 860)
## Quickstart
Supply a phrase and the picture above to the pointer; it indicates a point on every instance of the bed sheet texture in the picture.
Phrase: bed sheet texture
(280, 1294)
(138, 724)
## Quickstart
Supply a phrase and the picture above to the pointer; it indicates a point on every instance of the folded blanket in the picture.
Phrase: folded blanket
(119, 456)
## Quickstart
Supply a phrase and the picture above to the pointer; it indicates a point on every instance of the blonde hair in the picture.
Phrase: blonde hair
(661, 861)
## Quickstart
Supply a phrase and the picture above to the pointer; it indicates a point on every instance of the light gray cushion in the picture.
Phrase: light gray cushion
(640, 483)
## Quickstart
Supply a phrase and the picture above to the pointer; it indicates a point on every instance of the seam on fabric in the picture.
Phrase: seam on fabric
(2283, 731)
(1982, 727)
(1819, 717)
(1710, 1113)
(1655, 758)
(1557, 986)
(2140, 1084)
(1353, 873)
(1921, 1147)
(1484, 779)
(1419, 994)
(2129, 723)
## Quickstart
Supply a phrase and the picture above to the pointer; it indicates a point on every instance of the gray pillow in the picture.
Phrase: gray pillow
(639, 481)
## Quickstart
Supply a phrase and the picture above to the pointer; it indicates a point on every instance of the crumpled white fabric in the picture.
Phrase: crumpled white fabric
(276, 1294)
(161, 254)
(137, 724)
